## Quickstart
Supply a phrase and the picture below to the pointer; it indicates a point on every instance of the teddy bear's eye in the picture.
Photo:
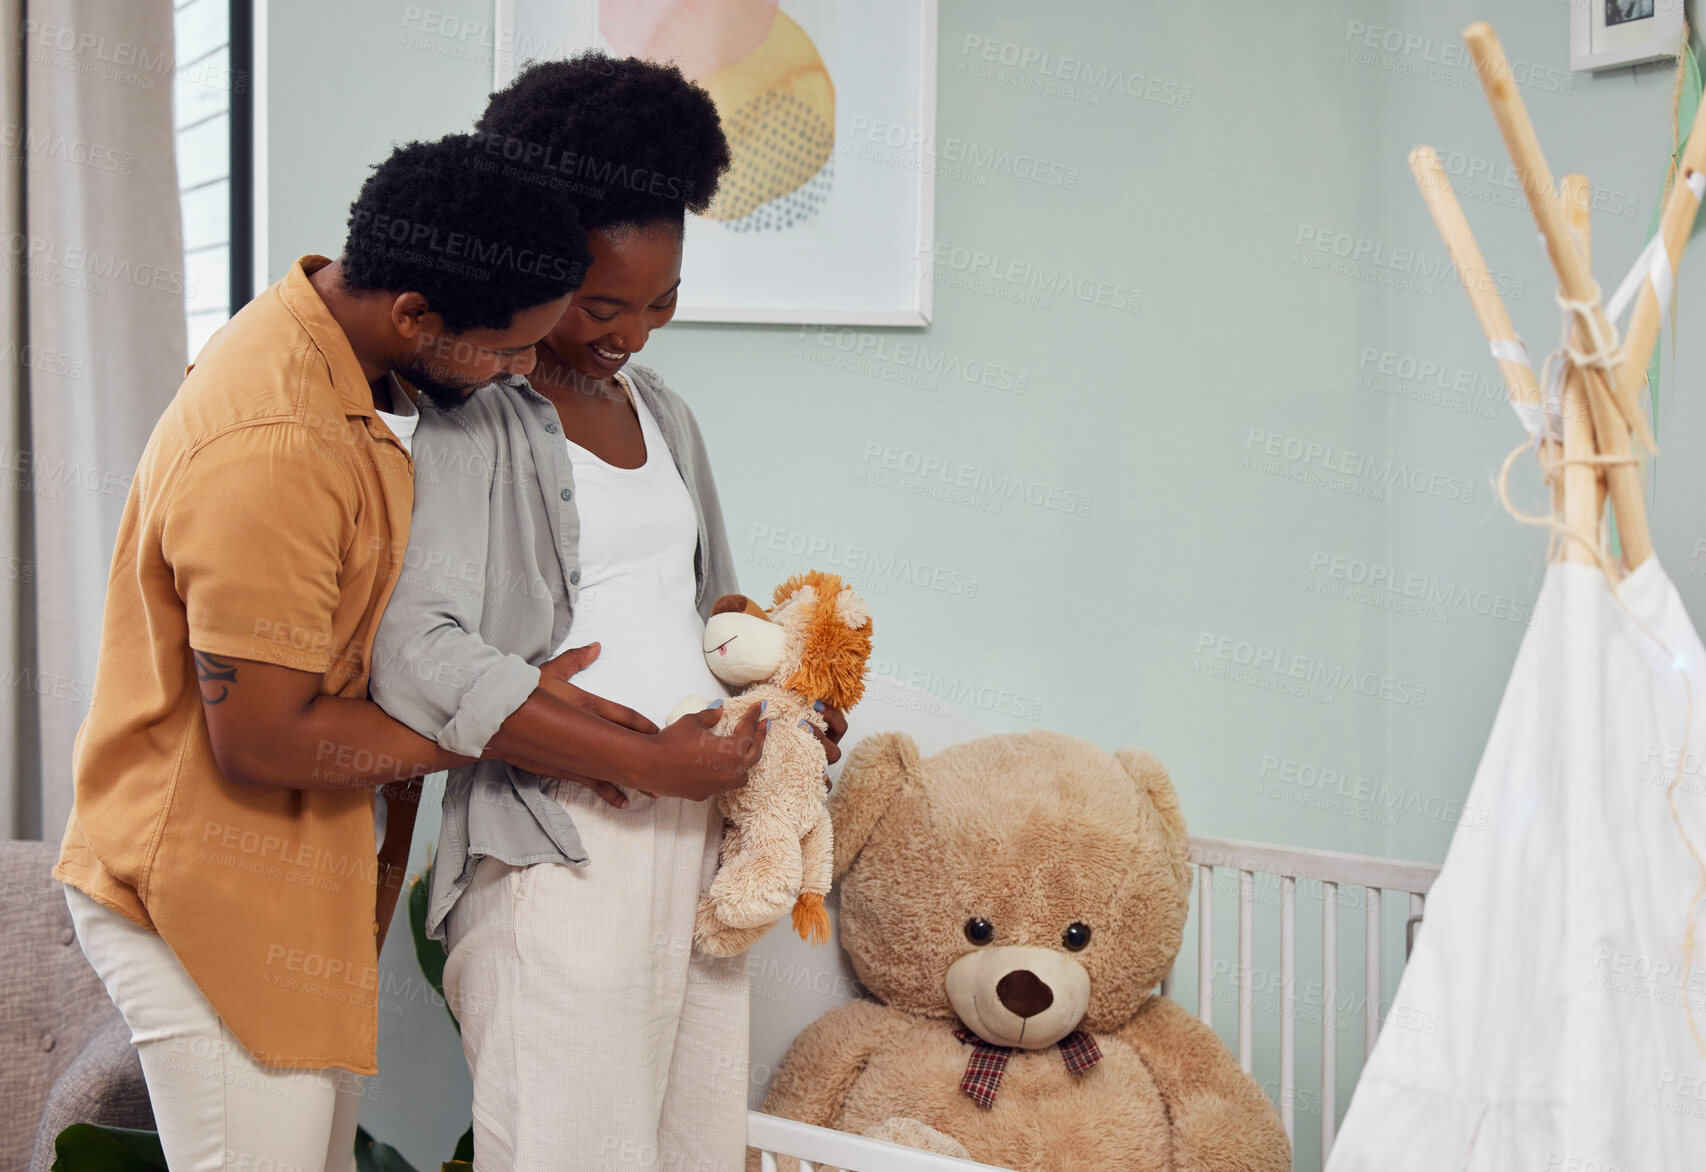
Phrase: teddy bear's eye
(1076, 936)
(979, 930)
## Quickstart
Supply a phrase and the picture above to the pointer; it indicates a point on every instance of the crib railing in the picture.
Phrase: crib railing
(818, 1148)
(1331, 870)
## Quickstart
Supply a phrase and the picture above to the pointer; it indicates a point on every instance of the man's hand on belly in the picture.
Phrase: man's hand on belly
(688, 760)
(554, 677)
(566, 732)
(560, 714)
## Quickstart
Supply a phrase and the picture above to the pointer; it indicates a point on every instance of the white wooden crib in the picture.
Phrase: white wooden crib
(1254, 873)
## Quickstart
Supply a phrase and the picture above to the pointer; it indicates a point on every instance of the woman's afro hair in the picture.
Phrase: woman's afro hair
(441, 219)
(630, 141)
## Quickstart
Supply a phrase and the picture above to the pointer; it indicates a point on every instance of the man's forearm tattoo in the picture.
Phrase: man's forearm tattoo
(214, 673)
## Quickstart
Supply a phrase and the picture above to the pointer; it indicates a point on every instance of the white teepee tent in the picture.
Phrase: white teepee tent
(1564, 954)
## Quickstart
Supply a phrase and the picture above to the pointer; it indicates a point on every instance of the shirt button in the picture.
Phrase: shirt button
(47, 1042)
(567, 494)
(66, 936)
(574, 577)
(551, 428)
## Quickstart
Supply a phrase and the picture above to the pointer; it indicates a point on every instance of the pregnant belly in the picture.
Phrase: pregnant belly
(647, 660)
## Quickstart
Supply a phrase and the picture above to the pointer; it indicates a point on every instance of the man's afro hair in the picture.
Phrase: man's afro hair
(441, 219)
(632, 142)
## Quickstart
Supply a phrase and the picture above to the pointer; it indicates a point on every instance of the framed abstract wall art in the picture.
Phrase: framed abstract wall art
(830, 107)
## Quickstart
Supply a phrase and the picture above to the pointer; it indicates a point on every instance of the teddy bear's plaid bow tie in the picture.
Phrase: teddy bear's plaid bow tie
(988, 1063)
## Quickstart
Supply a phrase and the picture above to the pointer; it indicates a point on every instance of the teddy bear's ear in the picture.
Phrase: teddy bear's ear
(1151, 777)
(876, 772)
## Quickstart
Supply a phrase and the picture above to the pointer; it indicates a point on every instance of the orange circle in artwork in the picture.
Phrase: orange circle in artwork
(701, 36)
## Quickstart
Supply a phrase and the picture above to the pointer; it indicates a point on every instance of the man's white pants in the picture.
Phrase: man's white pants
(216, 1108)
(597, 1041)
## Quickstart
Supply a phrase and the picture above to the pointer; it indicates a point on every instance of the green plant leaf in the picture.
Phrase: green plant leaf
(464, 1147)
(1688, 108)
(1688, 102)
(87, 1147)
(1688, 65)
(371, 1156)
(429, 953)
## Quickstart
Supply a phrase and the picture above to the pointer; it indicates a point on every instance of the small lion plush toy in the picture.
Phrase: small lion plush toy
(1011, 904)
(812, 644)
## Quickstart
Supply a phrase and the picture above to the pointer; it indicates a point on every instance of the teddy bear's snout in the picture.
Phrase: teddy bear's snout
(1019, 995)
(1023, 993)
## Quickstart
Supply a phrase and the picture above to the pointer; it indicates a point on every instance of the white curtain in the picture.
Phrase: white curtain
(92, 313)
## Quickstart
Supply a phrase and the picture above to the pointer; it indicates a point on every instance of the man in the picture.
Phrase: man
(220, 856)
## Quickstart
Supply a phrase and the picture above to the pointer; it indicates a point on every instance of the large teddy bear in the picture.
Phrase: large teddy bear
(1011, 904)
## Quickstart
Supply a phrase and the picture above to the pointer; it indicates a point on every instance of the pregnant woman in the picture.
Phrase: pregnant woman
(573, 515)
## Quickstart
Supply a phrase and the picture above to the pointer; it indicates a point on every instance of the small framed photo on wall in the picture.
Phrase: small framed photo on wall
(1608, 33)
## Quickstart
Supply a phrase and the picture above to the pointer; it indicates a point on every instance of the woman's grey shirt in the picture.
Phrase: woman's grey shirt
(488, 589)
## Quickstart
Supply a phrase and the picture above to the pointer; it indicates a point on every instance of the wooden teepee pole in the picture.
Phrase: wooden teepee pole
(1471, 266)
(1584, 499)
(1614, 415)
(1489, 307)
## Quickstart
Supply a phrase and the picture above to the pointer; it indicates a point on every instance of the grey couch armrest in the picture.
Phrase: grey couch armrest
(64, 1043)
(102, 1085)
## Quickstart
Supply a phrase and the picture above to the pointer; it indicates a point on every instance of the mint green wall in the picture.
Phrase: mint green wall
(345, 83)
(1271, 127)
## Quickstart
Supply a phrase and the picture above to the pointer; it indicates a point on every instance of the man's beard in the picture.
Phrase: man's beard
(445, 396)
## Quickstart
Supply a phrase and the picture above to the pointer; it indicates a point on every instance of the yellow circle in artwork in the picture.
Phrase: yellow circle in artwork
(778, 109)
